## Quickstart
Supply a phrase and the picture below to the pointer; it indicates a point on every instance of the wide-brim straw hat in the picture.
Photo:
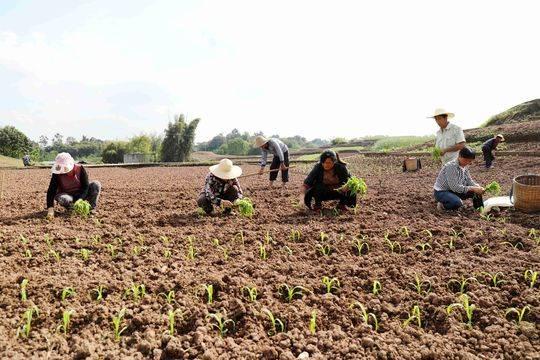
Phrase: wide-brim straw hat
(260, 141)
(441, 111)
(63, 163)
(226, 170)
(500, 137)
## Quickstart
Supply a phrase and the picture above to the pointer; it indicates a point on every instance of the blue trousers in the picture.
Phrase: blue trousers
(453, 201)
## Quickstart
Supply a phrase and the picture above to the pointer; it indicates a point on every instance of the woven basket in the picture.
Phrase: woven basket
(411, 164)
(526, 191)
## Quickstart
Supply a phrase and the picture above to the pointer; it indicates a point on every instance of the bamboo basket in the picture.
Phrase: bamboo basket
(526, 191)
(412, 164)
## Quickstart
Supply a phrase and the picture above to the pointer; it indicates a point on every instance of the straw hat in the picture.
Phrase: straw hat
(63, 164)
(260, 141)
(441, 111)
(500, 137)
(226, 170)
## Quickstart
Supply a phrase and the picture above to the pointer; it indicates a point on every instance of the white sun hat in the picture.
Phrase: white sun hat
(63, 163)
(441, 111)
(260, 141)
(226, 170)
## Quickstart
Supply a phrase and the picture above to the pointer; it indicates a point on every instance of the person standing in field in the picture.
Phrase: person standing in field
(280, 162)
(450, 138)
(221, 187)
(70, 183)
(454, 183)
(488, 147)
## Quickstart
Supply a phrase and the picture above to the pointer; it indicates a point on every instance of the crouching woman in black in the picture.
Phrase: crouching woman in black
(323, 182)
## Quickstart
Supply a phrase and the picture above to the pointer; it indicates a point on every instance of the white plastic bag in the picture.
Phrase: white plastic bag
(498, 201)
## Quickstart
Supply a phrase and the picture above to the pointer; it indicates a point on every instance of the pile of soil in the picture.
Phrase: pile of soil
(147, 218)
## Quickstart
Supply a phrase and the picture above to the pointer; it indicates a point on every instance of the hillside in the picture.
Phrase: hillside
(525, 112)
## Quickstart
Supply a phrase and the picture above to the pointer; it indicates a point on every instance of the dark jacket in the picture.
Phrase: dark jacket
(315, 177)
(489, 145)
(54, 188)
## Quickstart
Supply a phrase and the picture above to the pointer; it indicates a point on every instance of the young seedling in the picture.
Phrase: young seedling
(460, 284)
(517, 245)
(455, 235)
(290, 292)
(55, 254)
(295, 235)
(361, 246)
(494, 279)
(276, 325)
(28, 316)
(268, 238)
(24, 239)
(467, 307)
(200, 212)
(484, 249)
(215, 242)
(191, 252)
(99, 292)
(136, 292)
(24, 284)
(487, 217)
(66, 320)
(534, 235)
(376, 287)
(313, 322)
(436, 154)
(331, 284)
(165, 240)
(85, 254)
(209, 291)
(28, 254)
(394, 246)
(96, 240)
(324, 249)
(169, 297)
(262, 251)
(82, 208)
(171, 316)
(117, 324)
(240, 236)
(520, 313)
(112, 250)
(251, 293)
(428, 233)
(221, 324)
(366, 315)
(423, 247)
(225, 252)
(414, 315)
(167, 253)
(531, 277)
(68, 292)
(493, 188)
(288, 250)
(245, 207)
(323, 236)
(404, 231)
(48, 240)
(420, 285)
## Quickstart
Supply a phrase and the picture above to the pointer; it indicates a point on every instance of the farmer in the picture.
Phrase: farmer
(221, 187)
(450, 138)
(488, 147)
(280, 160)
(325, 180)
(27, 161)
(69, 183)
(455, 184)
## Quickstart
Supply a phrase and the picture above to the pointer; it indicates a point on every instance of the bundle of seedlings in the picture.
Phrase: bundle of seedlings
(245, 207)
(436, 153)
(493, 188)
(82, 208)
(356, 186)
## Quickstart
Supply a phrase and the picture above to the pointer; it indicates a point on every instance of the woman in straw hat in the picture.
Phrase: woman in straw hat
(69, 183)
(488, 147)
(325, 180)
(280, 161)
(221, 187)
(450, 138)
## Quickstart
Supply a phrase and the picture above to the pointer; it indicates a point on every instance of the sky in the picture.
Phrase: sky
(320, 69)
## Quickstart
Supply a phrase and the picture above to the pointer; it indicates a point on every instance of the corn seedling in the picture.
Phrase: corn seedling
(313, 323)
(288, 250)
(77, 241)
(215, 242)
(276, 325)
(420, 285)
(461, 284)
(518, 245)
(55, 255)
(28, 254)
(85, 254)
(251, 293)
(362, 247)
(24, 284)
(209, 290)
(531, 277)
(27, 316)
(454, 236)
(165, 240)
(467, 307)
(169, 297)
(191, 252)
(117, 324)
(24, 239)
(290, 292)
(136, 250)
(221, 324)
(494, 279)
(520, 313)
(366, 315)
(330, 284)
(245, 207)
(112, 250)
(324, 249)
(262, 251)
(200, 212)
(486, 217)
(66, 320)
(436, 154)
(295, 235)
(225, 252)
(136, 292)
(355, 186)
(404, 231)
(423, 246)
(240, 236)
(376, 287)
(171, 316)
(48, 240)
(493, 188)
(484, 249)
(428, 233)
(82, 208)
(323, 236)
(68, 292)
(99, 292)
(414, 315)
(96, 239)
(268, 238)
(393, 246)
(534, 235)
(167, 253)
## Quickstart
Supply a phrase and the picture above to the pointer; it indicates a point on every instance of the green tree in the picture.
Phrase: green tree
(14, 143)
(140, 144)
(178, 141)
(113, 152)
(237, 146)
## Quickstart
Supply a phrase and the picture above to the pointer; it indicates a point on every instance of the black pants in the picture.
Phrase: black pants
(275, 165)
(322, 193)
(488, 157)
(206, 204)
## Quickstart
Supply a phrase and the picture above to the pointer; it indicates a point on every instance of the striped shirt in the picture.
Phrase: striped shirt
(455, 178)
(275, 147)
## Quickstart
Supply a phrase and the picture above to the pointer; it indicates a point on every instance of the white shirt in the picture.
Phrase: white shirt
(448, 137)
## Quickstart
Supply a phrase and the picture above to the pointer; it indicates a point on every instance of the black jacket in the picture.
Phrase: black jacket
(53, 188)
(315, 177)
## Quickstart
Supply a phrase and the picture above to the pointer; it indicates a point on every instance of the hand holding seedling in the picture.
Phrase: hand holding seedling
(477, 190)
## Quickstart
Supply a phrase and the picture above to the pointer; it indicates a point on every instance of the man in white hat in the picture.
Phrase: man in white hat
(450, 138)
(69, 183)
(221, 187)
(488, 147)
(280, 161)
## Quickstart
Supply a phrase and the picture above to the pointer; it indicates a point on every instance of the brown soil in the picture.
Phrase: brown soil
(139, 206)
